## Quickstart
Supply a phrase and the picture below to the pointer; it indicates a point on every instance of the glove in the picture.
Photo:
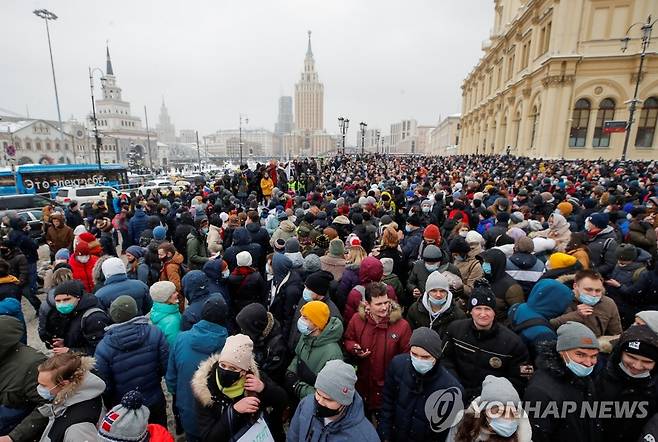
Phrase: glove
(305, 374)
(291, 381)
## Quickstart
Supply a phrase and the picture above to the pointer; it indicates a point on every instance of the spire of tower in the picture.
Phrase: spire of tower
(108, 70)
(309, 52)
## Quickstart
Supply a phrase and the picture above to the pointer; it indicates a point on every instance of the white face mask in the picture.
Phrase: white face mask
(645, 374)
(83, 259)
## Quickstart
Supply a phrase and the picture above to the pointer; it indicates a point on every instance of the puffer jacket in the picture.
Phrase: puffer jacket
(508, 292)
(314, 352)
(242, 243)
(642, 234)
(285, 231)
(260, 236)
(133, 356)
(136, 225)
(613, 384)
(294, 335)
(353, 425)
(371, 270)
(190, 348)
(553, 385)
(525, 269)
(214, 239)
(76, 409)
(384, 339)
(84, 272)
(117, 285)
(167, 318)
(602, 248)
(286, 296)
(195, 289)
(402, 416)
(18, 384)
(216, 282)
(197, 250)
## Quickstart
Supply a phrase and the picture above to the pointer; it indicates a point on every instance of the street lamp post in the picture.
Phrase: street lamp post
(343, 125)
(94, 119)
(363, 126)
(646, 28)
(46, 15)
(377, 135)
(246, 120)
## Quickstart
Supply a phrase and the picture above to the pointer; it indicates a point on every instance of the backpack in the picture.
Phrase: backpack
(85, 315)
(518, 328)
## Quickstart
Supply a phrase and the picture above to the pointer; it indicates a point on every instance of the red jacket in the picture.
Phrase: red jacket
(370, 270)
(84, 272)
(385, 340)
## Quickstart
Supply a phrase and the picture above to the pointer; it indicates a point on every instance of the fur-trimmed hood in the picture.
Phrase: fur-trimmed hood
(395, 315)
(203, 382)
(84, 386)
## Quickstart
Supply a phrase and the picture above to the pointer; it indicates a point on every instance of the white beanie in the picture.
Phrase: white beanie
(473, 237)
(161, 291)
(543, 244)
(79, 229)
(495, 389)
(238, 351)
(387, 264)
(436, 280)
(113, 266)
(243, 259)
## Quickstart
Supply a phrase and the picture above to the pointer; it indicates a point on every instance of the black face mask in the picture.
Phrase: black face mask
(323, 412)
(227, 377)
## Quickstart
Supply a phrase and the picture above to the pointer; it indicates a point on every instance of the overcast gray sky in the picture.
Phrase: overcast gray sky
(380, 60)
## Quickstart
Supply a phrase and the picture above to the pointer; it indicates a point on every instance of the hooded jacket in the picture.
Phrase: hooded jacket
(136, 225)
(402, 416)
(508, 292)
(190, 349)
(195, 290)
(117, 285)
(167, 318)
(371, 270)
(286, 293)
(525, 269)
(384, 339)
(242, 243)
(18, 382)
(197, 250)
(552, 385)
(84, 272)
(602, 248)
(285, 231)
(133, 356)
(418, 316)
(216, 282)
(61, 237)
(77, 408)
(353, 425)
(314, 352)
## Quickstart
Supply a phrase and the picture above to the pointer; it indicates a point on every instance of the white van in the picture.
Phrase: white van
(87, 194)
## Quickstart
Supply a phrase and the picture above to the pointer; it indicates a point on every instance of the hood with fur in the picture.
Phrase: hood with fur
(203, 383)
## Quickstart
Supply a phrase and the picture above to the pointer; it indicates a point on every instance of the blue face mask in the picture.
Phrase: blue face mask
(431, 267)
(407, 229)
(589, 299)
(420, 365)
(204, 230)
(303, 327)
(307, 295)
(578, 369)
(437, 302)
(45, 392)
(65, 309)
(486, 268)
(503, 427)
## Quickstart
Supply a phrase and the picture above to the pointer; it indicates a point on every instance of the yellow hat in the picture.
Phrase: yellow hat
(565, 208)
(560, 260)
(317, 312)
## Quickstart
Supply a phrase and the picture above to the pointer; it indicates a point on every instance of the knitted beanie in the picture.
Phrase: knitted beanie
(123, 309)
(161, 291)
(317, 312)
(565, 208)
(626, 252)
(575, 335)
(72, 288)
(159, 233)
(650, 318)
(126, 422)
(62, 254)
(482, 295)
(135, 251)
(243, 259)
(600, 220)
(524, 245)
(428, 340)
(312, 263)
(498, 389)
(238, 351)
(436, 280)
(387, 264)
(337, 248)
(113, 266)
(337, 380)
(292, 245)
(318, 282)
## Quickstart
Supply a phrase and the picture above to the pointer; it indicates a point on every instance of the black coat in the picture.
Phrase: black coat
(246, 289)
(418, 316)
(18, 266)
(242, 242)
(552, 385)
(287, 295)
(402, 416)
(180, 238)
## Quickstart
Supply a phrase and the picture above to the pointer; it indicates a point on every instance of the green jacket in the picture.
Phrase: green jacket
(393, 280)
(18, 380)
(197, 251)
(167, 318)
(315, 351)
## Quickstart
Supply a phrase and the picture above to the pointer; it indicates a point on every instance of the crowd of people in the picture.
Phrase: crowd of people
(336, 299)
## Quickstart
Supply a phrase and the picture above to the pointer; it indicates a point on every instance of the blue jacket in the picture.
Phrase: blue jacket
(353, 426)
(406, 391)
(547, 300)
(216, 284)
(12, 307)
(195, 288)
(132, 356)
(136, 225)
(242, 243)
(484, 225)
(190, 349)
(117, 285)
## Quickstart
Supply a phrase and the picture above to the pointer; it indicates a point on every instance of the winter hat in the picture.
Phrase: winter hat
(126, 422)
(159, 233)
(565, 208)
(387, 264)
(161, 291)
(498, 390)
(626, 252)
(282, 216)
(317, 312)
(337, 380)
(386, 220)
(524, 245)
(503, 217)
(113, 266)
(79, 230)
(413, 220)
(319, 282)
(543, 244)
(322, 241)
(62, 254)
(215, 309)
(650, 318)
(342, 219)
(195, 283)
(473, 237)
(253, 319)
(599, 220)
(238, 351)
(292, 245)
(428, 340)
(337, 248)
(516, 217)
(432, 253)
(436, 280)
(280, 245)
(123, 309)
(482, 295)
(243, 259)
(87, 237)
(353, 240)
(575, 335)
(459, 245)
(311, 263)
(82, 249)
(560, 260)
(135, 251)
(432, 232)
(72, 288)
(638, 347)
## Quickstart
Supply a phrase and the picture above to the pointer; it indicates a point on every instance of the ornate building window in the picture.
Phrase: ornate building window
(605, 113)
(535, 126)
(579, 123)
(646, 127)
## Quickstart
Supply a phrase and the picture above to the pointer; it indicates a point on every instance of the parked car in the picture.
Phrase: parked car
(87, 194)
(26, 201)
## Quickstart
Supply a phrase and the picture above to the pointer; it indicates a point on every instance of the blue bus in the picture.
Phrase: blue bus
(46, 179)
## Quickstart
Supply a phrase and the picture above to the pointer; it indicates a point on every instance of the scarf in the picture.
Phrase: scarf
(234, 390)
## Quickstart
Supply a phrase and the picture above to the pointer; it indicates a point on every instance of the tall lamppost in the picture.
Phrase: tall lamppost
(646, 29)
(363, 126)
(93, 115)
(46, 15)
(246, 120)
(343, 125)
(377, 135)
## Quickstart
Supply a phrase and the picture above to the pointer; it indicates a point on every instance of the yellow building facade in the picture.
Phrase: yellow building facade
(553, 72)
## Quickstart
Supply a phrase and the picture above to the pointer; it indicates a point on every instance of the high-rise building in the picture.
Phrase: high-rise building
(284, 124)
(187, 136)
(165, 128)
